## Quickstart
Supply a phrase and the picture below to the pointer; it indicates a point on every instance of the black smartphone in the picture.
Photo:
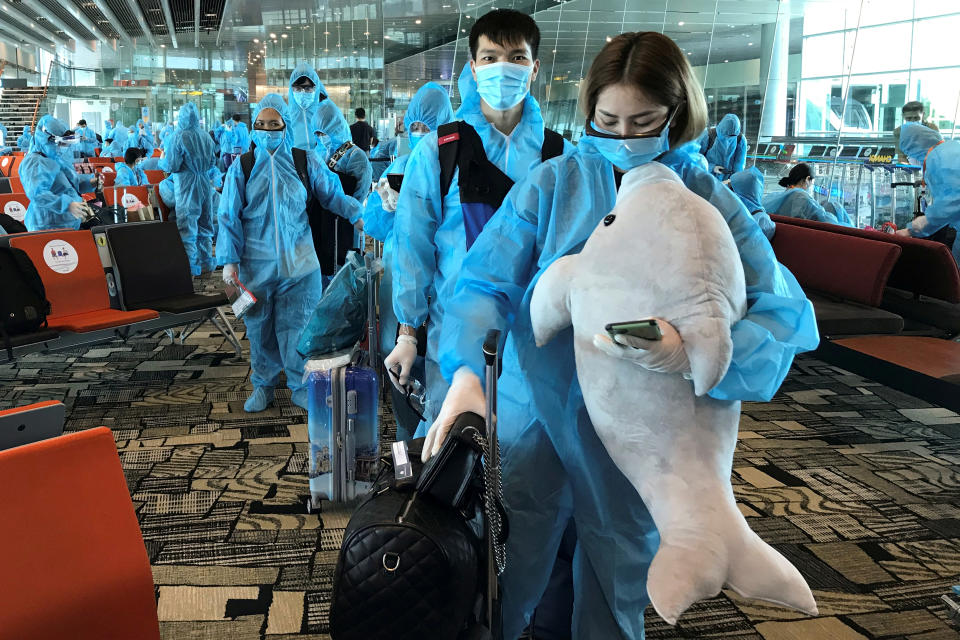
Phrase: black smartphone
(395, 180)
(646, 329)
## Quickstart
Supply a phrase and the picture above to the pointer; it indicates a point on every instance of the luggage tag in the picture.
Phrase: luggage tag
(241, 300)
(402, 467)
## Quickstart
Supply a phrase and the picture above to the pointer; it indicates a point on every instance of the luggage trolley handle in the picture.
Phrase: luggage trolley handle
(493, 487)
(373, 344)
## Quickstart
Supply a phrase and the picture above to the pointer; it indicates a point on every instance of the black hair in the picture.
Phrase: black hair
(82, 123)
(304, 81)
(912, 106)
(237, 117)
(797, 175)
(506, 27)
(131, 155)
(361, 113)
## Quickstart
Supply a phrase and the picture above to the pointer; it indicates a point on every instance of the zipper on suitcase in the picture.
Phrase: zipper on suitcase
(342, 433)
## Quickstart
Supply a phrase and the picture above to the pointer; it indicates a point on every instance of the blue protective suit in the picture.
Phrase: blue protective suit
(118, 145)
(190, 155)
(941, 162)
(728, 153)
(431, 237)
(431, 106)
(50, 181)
(127, 177)
(798, 203)
(228, 140)
(555, 466)
(165, 132)
(142, 139)
(23, 142)
(241, 137)
(6, 135)
(87, 144)
(381, 156)
(748, 185)
(264, 229)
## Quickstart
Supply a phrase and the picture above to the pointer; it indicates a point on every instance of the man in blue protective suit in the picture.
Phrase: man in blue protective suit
(304, 98)
(940, 160)
(130, 172)
(165, 132)
(229, 144)
(23, 142)
(725, 147)
(429, 108)
(50, 181)
(265, 243)
(86, 140)
(381, 156)
(555, 466)
(748, 185)
(5, 134)
(457, 177)
(190, 156)
(241, 134)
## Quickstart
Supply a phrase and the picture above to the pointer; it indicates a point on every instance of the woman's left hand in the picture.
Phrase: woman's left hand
(666, 355)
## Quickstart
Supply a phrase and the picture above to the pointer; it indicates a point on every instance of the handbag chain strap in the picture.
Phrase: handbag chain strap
(493, 501)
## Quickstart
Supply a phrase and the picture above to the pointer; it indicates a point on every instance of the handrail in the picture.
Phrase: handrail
(43, 97)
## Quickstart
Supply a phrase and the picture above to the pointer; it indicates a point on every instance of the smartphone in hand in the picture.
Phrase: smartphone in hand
(647, 329)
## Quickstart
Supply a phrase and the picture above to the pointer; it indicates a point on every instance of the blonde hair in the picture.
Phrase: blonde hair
(653, 63)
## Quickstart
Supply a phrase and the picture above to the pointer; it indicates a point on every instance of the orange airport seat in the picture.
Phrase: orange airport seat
(72, 274)
(74, 563)
(14, 205)
(6, 165)
(15, 185)
(116, 195)
(155, 176)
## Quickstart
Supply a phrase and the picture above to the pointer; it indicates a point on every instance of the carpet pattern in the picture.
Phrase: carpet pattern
(857, 484)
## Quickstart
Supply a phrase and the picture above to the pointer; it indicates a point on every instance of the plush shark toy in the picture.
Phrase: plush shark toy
(666, 253)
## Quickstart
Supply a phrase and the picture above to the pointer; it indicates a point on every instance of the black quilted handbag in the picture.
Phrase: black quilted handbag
(411, 566)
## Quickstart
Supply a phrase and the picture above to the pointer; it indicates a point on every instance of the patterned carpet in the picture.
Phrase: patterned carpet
(857, 484)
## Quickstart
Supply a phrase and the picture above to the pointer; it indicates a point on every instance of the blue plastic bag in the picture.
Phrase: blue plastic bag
(340, 319)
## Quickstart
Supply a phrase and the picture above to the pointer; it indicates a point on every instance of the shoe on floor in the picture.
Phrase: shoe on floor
(299, 398)
(260, 399)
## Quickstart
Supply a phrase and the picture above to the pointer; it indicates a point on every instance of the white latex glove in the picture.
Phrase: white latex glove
(465, 396)
(663, 356)
(78, 210)
(231, 273)
(387, 195)
(918, 224)
(404, 354)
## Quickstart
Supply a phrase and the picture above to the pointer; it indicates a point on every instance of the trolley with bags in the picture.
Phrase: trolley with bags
(422, 553)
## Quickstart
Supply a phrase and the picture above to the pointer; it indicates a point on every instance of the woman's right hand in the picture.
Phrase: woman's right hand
(465, 396)
(231, 273)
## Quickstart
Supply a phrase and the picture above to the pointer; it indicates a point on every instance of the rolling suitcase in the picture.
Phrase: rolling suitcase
(344, 433)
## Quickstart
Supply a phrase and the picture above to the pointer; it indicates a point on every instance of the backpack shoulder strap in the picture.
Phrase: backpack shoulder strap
(246, 163)
(552, 145)
(448, 141)
(300, 164)
(711, 138)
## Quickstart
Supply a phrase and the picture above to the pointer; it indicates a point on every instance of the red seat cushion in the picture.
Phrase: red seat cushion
(102, 319)
(848, 267)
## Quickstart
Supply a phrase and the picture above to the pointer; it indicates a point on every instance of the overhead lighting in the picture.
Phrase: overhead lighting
(726, 61)
(609, 39)
(749, 44)
(256, 40)
(680, 24)
(273, 35)
(283, 35)
(417, 21)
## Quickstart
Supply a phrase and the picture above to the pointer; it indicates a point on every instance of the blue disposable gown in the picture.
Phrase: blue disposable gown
(264, 228)
(190, 155)
(50, 181)
(165, 132)
(142, 139)
(127, 177)
(381, 156)
(797, 203)
(23, 142)
(242, 137)
(728, 154)
(228, 140)
(748, 185)
(941, 163)
(431, 238)
(555, 466)
(6, 135)
(118, 143)
(87, 144)
(305, 120)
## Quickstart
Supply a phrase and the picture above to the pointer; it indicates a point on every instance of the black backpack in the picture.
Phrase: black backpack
(332, 235)
(23, 299)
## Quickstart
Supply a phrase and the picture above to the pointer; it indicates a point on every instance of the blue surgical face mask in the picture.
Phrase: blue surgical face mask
(269, 140)
(303, 98)
(503, 85)
(630, 153)
(415, 138)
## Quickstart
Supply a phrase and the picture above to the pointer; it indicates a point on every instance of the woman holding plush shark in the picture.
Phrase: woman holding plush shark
(643, 105)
